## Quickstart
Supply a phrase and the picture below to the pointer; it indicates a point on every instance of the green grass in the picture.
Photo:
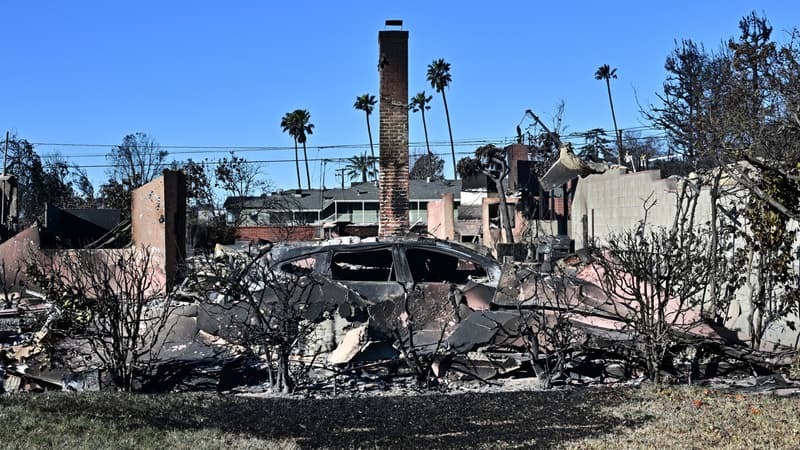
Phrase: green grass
(649, 417)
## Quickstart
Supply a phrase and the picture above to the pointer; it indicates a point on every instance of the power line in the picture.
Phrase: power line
(201, 149)
(208, 149)
(261, 161)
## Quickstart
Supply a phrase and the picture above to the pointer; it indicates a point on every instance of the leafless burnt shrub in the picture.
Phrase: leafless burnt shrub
(272, 313)
(655, 277)
(114, 300)
(550, 338)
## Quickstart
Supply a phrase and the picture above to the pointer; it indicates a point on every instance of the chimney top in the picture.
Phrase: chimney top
(394, 23)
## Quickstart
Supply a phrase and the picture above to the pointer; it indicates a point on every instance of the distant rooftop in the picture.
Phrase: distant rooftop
(316, 199)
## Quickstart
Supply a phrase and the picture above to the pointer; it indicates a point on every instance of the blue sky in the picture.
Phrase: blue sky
(222, 74)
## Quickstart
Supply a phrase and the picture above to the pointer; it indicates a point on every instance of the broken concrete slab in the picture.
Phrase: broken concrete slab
(349, 347)
(483, 328)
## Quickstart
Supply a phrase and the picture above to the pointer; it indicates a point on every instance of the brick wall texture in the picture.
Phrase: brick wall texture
(276, 234)
(393, 68)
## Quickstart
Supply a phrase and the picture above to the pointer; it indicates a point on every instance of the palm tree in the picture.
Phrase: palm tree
(306, 128)
(296, 123)
(439, 77)
(419, 103)
(605, 72)
(366, 103)
(361, 166)
(288, 125)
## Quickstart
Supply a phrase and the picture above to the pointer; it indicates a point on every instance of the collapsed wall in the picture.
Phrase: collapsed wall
(158, 222)
(158, 227)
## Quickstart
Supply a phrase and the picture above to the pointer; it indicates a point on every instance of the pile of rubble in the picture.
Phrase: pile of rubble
(384, 310)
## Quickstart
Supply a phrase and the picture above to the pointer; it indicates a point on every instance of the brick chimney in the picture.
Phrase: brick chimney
(516, 153)
(393, 68)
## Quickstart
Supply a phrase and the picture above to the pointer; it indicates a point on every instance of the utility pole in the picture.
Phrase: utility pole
(3, 190)
(324, 167)
(340, 173)
(5, 155)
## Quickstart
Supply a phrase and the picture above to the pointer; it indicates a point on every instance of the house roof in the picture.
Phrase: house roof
(317, 199)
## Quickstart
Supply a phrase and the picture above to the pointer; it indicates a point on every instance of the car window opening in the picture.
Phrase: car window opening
(435, 267)
(373, 265)
(300, 266)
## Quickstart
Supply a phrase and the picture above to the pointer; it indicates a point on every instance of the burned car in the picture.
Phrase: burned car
(383, 270)
(397, 292)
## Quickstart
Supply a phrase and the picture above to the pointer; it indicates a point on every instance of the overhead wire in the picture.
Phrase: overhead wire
(573, 137)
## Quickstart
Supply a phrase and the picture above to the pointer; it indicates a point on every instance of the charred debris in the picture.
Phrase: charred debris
(353, 314)
(127, 310)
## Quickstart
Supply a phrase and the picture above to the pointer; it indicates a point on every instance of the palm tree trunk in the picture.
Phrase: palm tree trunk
(369, 133)
(308, 174)
(614, 118)
(297, 164)
(450, 130)
(425, 127)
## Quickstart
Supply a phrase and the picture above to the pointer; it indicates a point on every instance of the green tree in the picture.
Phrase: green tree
(366, 103)
(297, 124)
(238, 177)
(605, 72)
(426, 166)
(288, 125)
(595, 145)
(362, 166)
(440, 78)
(736, 105)
(137, 161)
(420, 103)
(684, 104)
(41, 182)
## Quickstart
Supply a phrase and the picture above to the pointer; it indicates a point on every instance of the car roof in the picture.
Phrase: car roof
(290, 252)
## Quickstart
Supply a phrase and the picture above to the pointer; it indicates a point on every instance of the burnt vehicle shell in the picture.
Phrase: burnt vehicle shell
(385, 270)
(411, 290)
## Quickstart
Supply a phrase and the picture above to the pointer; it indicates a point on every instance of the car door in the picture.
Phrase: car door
(437, 272)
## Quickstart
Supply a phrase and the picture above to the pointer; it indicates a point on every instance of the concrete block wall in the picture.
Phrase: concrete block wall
(613, 201)
(393, 190)
(158, 226)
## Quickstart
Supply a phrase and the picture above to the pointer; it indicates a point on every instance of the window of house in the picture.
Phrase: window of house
(231, 217)
(494, 214)
(435, 267)
(371, 265)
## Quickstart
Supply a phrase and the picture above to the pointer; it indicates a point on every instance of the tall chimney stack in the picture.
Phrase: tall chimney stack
(393, 68)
